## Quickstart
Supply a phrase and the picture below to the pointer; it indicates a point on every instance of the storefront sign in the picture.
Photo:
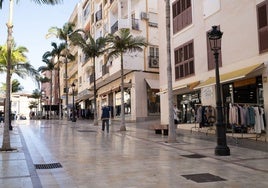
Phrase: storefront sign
(207, 95)
(249, 81)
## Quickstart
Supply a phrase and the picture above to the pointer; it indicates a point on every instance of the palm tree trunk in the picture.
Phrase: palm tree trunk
(66, 86)
(50, 99)
(171, 127)
(95, 94)
(6, 137)
(59, 98)
(123, 124)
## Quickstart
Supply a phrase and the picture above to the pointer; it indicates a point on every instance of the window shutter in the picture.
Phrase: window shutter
(262, 27)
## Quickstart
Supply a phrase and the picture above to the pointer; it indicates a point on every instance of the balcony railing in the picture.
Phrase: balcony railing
(119, 24)
(98, 15)
(105, 69)
(135, 24)
(114, 27)
(91, 78)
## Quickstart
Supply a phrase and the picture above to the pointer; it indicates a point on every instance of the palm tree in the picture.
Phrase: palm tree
(6, 137)
(171, 127)
(16, 86)
(49, 67)
(57, 54)
(120, 43)
(92, 48)
(63, 34)
(37, 95)
(32, 104)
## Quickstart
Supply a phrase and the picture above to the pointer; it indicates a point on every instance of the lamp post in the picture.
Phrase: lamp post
(47, 107)
(221, 149)
(73, 111)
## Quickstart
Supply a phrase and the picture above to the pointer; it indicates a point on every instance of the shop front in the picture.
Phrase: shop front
(242, 97)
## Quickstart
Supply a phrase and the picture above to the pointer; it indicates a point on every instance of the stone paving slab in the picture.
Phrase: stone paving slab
(135, 158)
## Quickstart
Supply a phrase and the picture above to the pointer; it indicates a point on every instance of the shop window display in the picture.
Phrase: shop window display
(187, 106)
(127, 102)
(153, 101)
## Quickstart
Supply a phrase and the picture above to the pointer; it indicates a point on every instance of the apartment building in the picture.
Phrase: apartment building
(242, 59)
(141, 69)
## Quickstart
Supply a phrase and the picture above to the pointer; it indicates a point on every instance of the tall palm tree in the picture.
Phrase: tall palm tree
(171, 127)
(48, 67)
(120, 43)
(56, 52)
(6, 137)
(92, 48)
(63, 34)
(20, 67)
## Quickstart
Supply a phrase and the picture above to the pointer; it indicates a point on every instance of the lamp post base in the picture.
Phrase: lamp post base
(222, 151)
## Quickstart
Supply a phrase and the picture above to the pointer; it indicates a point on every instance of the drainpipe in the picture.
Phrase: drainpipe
(147, 37)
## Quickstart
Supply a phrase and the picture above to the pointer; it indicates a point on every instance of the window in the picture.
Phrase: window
(86, 12)
(154, 57)
(154, 52)
(262, 26)
(181, 14)
(184, 60)
(211, 57)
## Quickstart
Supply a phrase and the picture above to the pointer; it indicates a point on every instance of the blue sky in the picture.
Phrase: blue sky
(31, 23)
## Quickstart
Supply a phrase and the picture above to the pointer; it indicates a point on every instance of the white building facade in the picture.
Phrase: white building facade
(141, 69)
(243, 55)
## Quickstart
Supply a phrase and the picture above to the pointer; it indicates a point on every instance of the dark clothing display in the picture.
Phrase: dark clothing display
(205, 116)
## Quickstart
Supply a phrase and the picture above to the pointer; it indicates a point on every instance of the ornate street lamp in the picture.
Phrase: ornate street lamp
(73, 111)
(221, 149)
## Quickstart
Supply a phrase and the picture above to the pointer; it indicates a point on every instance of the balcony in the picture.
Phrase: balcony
(105, 69)
(135, 24)
(114, 27)
(98, 15)
(119, 24)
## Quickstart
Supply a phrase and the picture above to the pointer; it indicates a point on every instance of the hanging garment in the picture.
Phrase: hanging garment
(259, 124)
(233, 114)
(199, 114)
(251, 116)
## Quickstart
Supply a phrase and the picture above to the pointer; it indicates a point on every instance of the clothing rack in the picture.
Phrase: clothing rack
(205, 117)
(255, 135)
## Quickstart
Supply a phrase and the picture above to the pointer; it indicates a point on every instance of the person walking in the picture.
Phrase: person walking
(105, 118)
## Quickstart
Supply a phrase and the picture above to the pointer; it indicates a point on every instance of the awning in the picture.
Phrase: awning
(154, 84)
(183, 86)
(234, 75)
(189, 85)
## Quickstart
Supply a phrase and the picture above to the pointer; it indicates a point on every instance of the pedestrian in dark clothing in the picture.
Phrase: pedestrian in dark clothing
(105, 118)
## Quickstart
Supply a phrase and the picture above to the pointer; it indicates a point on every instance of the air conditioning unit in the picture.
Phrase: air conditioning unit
(154, 62)
(144, 16)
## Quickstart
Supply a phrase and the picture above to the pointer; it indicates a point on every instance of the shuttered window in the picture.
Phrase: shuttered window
(184, 60)
(181, 14)
(211, 58)
(262, 26)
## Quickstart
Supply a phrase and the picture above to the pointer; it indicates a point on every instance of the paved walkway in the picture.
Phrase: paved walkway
(65, 154)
